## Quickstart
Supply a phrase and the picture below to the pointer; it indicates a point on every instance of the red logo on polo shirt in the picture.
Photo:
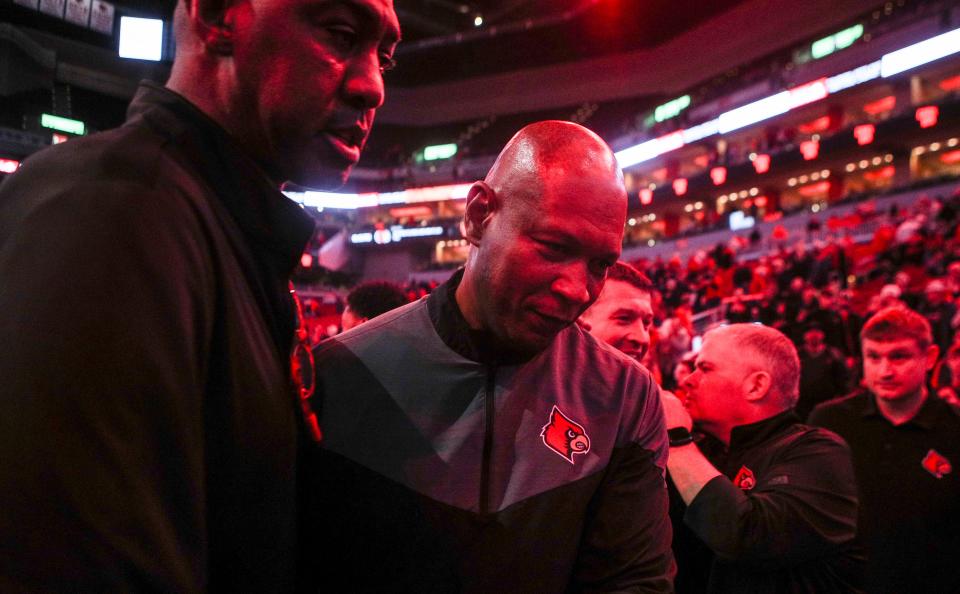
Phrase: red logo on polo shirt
(745, 479)
(936, 464)
(565, 436)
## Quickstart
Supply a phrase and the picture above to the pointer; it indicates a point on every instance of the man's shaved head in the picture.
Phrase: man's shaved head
(545, 224)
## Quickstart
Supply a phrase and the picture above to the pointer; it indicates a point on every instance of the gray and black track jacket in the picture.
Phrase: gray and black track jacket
(447, 466)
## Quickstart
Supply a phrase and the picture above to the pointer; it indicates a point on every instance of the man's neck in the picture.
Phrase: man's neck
(466, 298)
(902, 410)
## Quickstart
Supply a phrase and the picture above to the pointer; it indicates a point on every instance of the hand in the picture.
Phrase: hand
(674, 412)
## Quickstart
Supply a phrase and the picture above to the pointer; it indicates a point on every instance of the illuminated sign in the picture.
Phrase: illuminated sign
(810, 149)
(680, 186)
(63, 124)
(739, 221)
(59, 138)
(882, 105)
(762, 163)
(394, 234)
(927, 116)
(837, 41)
(141, 39)
(439, 151)
(671, 109)
(718, 175)
(864, 133)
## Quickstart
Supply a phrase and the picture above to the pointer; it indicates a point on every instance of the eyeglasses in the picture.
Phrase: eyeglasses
(302, 370)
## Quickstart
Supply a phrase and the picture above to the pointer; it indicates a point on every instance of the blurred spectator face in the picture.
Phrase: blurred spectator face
(902, 280)
(935, 292)
(621, 317)
(896, 369)
(683, 369)
(953, 363)
(953, 271)
(813, 342)
(796, 285)
(826, 300)
(349, 320)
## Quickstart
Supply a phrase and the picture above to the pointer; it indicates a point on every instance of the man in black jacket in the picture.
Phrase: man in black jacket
(149, 431)
(780, 515)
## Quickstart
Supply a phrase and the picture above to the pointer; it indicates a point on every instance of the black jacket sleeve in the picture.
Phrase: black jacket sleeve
(803, 506)
(104, 326)
(626, 541)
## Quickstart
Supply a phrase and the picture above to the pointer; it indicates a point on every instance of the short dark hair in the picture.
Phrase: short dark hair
(623, 272)
(896, 323)
(370, 299)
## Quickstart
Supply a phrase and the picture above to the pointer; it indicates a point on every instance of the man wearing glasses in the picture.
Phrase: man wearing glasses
(479, 440)
(149, 431)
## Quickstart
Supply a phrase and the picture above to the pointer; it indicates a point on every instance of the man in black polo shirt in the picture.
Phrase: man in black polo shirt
(904, 446)
(780, 515)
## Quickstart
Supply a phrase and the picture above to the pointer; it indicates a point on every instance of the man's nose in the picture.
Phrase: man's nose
(363, 81)
(573, 286)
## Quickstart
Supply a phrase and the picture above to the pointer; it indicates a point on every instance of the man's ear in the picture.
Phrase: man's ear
(482, 203)
(212, 20)
(757, 385)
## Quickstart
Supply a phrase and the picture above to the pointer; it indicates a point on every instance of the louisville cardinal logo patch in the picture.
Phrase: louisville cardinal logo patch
(936, 464)
(565, 436)
(745, 479)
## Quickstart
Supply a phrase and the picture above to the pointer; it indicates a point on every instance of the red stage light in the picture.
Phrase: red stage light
(880, 105)
(646, 196)
(879, 174)
(8, 165)
(680, 186)
(927, 116)
(814, 189)
(762, 163)
(810, 149)
(864, 133)
(950, 84)
(818, 125)
(761, 201)
(306, 260)
(951, 157)
(718, 175)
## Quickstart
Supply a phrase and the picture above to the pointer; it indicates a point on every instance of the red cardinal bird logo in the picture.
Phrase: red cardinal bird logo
(565, 436)
(936, 464)
(745, 479)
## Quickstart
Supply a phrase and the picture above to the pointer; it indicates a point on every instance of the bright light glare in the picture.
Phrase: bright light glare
(920, 53)
(141, 39)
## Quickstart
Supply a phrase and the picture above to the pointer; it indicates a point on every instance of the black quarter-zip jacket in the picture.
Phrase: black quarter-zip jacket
(451, 465)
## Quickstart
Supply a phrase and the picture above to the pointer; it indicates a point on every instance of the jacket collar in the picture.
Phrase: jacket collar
(926, 418)
(477, 345)
(752, 434)
(267, 217)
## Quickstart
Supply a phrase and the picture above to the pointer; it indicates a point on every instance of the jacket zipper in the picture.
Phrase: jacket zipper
(489, 410)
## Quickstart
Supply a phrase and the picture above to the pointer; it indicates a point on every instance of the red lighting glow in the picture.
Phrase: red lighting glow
(58, 138)
(876, 175)
(306, 260)
(718, 175)
(808, 93)
(8, 165)
(646, 196)
(864, 133)
(880, 105)
(816, 189)
(927, 116)
(810, 149)
(950, 84)
(951, 157)
(762, 163)
(818, 125)
(411, 211)
(680, 186)
(761, 201)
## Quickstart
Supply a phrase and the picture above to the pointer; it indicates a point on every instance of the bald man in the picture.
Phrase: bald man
(481, 441)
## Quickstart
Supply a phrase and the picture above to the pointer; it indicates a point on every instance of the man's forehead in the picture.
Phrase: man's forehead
(888, 346)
